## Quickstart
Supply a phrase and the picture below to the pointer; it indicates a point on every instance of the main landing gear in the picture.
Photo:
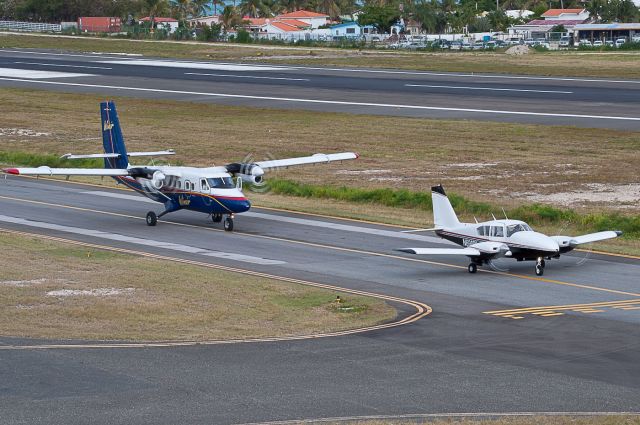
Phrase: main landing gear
(473, 267)
(540, 263)
(152, 218)
(228, 221)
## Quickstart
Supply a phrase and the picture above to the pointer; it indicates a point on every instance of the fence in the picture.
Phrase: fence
(29, 26)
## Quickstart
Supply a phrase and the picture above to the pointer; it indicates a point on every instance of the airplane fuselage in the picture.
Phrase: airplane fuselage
(521, 241)
(210, 192)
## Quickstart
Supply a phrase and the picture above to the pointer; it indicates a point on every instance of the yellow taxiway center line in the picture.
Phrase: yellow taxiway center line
(337, 248)
(623, 303)
(422, 309)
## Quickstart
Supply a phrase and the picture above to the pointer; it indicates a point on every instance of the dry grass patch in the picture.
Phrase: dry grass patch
(56, 290)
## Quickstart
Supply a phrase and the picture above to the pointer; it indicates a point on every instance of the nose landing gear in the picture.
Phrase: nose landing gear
(228, 223)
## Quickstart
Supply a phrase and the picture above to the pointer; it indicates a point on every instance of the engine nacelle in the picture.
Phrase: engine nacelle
(498, 249)
(251, 179)
(157, 180)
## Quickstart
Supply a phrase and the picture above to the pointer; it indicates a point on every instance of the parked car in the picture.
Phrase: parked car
(635, 39)
(466, 45)
(478, 45)
(598, 43)
(529, 41)
(565, 41)
(456, 45)
(513, 41)
(542, 43)
(585, 43)
(620, 42)
(490, 44)
(609, 43)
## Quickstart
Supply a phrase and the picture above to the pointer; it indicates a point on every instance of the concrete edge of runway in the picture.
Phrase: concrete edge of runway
(421, 310)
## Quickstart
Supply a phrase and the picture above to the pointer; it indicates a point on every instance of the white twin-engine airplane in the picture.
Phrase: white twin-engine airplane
(208, 190)
(484, 242)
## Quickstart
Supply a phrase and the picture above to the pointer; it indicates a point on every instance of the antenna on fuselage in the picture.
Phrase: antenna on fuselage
(474, 217)
(505, 213)
(494, 217)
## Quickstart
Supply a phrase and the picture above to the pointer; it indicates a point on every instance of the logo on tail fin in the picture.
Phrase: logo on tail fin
(107, 125)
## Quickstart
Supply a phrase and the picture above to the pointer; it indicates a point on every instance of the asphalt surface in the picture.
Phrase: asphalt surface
(461, 358)
(583, 102)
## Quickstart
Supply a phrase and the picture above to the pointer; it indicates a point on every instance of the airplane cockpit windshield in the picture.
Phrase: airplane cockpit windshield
(221, 182)
(520, 227)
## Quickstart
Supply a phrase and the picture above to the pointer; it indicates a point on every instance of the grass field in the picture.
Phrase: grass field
(560, 63)
(493, 163)
(70, 292)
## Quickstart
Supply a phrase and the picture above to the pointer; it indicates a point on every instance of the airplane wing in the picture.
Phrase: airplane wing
(441, 251)
(48, 171)
(484, 249)
(594, 237)
(318, 158)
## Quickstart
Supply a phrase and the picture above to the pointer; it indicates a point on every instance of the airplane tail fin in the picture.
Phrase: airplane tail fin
(112, 139)
(443, 213)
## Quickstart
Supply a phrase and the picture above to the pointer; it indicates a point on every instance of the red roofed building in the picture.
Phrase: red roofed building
(566, 15)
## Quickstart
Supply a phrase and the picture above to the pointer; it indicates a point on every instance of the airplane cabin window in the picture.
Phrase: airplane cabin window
(203, 184)
(521, 227)
(221, 182)
(497, 231)
(480, 230)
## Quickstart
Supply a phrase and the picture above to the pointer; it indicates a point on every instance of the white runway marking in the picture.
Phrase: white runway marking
(247, 76)
(331, 102)
(64, 66)
(196, 65)
(487, 88)
(28, 73)
(140, 241)
(294, 220)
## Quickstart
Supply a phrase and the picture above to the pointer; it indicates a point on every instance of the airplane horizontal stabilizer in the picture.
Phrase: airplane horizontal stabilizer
(117, 155)
(441, 251)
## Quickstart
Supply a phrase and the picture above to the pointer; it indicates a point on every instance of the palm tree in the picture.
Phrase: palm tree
(254, 8)
(229, 18)
(154, 8)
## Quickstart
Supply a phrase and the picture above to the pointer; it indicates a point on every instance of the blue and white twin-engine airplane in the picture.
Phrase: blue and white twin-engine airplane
(209, 190)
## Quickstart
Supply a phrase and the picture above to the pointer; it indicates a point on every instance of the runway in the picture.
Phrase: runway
(495, 341)
(584, 102)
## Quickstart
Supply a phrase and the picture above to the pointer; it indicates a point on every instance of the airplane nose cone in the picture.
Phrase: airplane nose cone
(238, 205)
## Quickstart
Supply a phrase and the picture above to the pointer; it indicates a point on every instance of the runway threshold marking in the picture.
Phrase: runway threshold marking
(337, 248)
(329, 102)
(559, 310)
(422, 309)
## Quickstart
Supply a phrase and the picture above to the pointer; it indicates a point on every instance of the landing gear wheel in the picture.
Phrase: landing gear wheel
(473, 267)
(152, 219)
(543, 264)
(228, 224)
(539, 270)
(217, 218)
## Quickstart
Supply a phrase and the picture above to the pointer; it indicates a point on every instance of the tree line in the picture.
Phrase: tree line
(435, 16)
